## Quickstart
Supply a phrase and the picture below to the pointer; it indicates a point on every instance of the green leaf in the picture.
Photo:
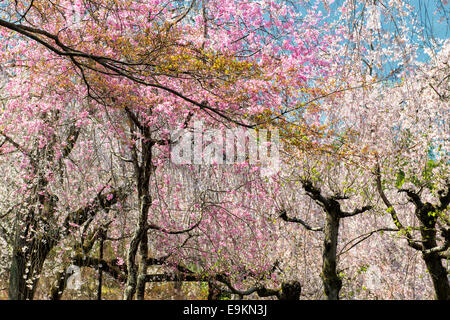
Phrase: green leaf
(400, 179)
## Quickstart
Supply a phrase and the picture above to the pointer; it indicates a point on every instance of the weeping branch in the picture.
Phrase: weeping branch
(361, 238)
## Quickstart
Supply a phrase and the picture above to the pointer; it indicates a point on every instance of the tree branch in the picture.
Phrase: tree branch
(284, 216)
(355, 212)
(393, 213)
(100, 202)
(362, 238)
(315, 193)
(444, 199)
(108, 63)
(155, 227)
(414, 197)
(109, 267)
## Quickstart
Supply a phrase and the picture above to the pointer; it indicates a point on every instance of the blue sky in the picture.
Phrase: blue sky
(435, 26)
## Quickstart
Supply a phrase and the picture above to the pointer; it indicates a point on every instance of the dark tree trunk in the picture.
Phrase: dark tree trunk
(290, 290)
(438, 275)
(29, 253)
(333, 213)
(143, 249)
(331, 281)
(433, 261)
(32, 247)
(143, 168)
(18, 289)
(23, 283)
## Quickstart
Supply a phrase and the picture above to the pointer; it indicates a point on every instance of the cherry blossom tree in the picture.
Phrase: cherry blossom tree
(399, 128)
(155, 65)
(94, 91)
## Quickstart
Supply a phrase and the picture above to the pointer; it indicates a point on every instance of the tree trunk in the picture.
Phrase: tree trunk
(142, 171)
(142, 267)
(433, 262)
(23, 282)
(438, 275)
(331, 281)
(29, 253)
(18, 289)
(139, 235)
(130, 288)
